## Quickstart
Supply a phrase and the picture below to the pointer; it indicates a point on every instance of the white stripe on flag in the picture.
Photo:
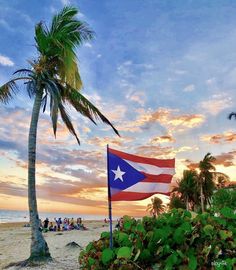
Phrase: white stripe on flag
(146, 187)
(150, 169)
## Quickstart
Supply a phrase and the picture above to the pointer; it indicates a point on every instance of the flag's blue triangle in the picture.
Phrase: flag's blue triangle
(130, 175)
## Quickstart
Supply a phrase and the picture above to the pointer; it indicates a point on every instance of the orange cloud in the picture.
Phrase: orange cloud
(154, 151)
(166, 117)
(225, 159)
(226, 137)
(103, 141)
(162, 139)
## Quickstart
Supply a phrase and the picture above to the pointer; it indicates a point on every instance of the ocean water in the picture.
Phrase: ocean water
(23, 216)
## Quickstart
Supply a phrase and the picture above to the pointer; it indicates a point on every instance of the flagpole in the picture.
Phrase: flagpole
(109, 198)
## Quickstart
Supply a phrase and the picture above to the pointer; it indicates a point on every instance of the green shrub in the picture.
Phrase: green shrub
(174, 240)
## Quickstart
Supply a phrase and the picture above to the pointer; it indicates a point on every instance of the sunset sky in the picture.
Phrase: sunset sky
(163, 72)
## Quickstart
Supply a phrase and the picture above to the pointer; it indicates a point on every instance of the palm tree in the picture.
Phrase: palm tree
(176, 202)
(187, 187)
(220, 179)
(156, 207)
(205, 179)
(53, 77)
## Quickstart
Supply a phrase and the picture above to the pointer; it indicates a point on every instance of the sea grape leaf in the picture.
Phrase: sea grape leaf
(187, 214)
(192, 264)
(105, 235)
(127, 225)
(145, 255)
(90, 246)
(91, 261)
(123, 239)
(186, 227)
(225, 234)
(228, 213)
(171, 261)
(124, 252)
(107, 255)
(208, 229)
(179, 236)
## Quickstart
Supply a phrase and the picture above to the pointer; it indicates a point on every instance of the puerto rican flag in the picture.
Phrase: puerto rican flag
(132, 177)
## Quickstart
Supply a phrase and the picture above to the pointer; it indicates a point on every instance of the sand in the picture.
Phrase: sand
(15, 245)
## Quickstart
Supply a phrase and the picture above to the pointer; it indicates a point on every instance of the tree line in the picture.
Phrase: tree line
(195, 190)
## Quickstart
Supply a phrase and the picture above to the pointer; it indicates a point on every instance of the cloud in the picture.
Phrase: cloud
(216, 104)
(103, 141)
(162, 139)
(191, 165)
(65, 2)
(189, 88)
(6, 61)
(226, 159)
(226, 137)
(154, 151)
(88, 45)
(137, 96)
(165, 117)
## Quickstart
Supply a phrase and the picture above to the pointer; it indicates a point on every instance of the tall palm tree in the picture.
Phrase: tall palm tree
(187, 187)
(156, 206)
(53, 78)
(206, 183)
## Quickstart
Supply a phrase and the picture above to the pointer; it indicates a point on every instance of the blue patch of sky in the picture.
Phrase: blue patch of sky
(161, 34)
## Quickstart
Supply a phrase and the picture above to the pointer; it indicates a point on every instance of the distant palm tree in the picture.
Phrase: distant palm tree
(53, 77)
(156, 207)
(205, 179)
(187, 187)
(176, 202)
(220, 179)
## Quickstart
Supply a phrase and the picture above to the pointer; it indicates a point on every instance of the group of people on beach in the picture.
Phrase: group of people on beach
(61, 225)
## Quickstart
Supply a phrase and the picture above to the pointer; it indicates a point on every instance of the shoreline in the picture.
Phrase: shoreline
(15, 244)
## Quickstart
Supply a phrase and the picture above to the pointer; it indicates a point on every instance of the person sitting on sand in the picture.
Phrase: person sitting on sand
(65, 225)
(72, 224)
(120, 224)
(51, 227)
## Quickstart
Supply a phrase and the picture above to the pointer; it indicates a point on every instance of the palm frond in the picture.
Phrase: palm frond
(42, 38)
(9, 89)
(24, 72)
(55, 100)
(231, 115)
(31, 88)
(66, 119)
(44, 102)
(86, 108)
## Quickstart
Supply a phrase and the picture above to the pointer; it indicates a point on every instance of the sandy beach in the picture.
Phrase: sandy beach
(15, 244)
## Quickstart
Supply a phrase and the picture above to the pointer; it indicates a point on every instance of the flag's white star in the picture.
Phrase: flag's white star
(118, 174)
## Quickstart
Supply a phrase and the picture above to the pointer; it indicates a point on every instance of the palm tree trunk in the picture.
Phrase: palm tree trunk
(201, 197)
(39, 248)
(187, 204)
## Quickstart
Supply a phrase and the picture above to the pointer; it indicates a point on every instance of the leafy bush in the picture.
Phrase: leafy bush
(224, 197)
(174, 240)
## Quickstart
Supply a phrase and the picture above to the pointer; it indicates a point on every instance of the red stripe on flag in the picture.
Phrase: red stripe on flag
(161, 178)
(166, 163)
(133, 196)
